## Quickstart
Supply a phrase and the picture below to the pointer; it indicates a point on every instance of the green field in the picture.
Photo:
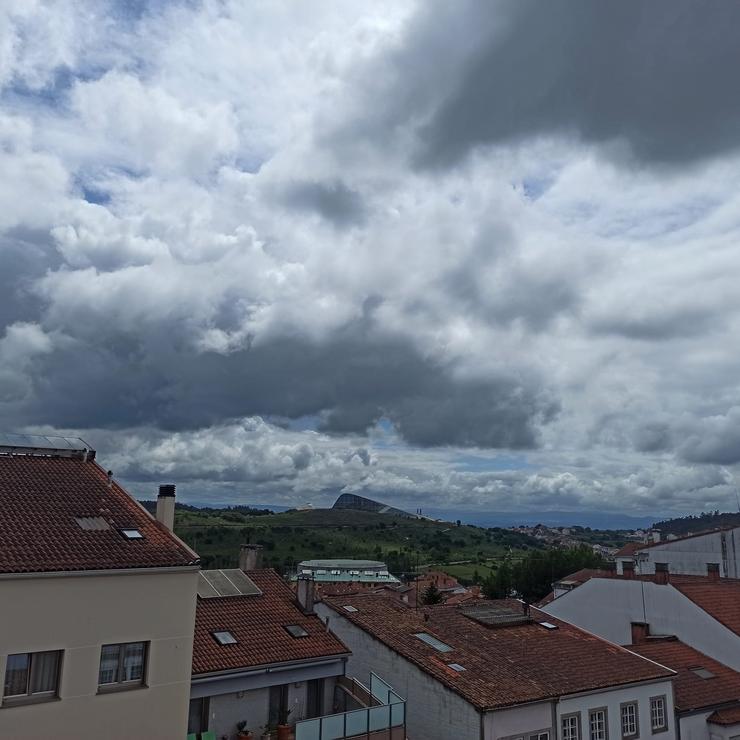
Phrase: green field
(288, 538)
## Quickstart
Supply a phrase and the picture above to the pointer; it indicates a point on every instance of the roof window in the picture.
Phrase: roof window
(433, 642)
(295, 630)
(456, 667)
(132, 534)
(349, 608)
(702, 672)
(548, 625)
(224, 637)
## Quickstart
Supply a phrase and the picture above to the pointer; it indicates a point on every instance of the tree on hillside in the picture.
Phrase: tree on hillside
(532, 577)
(431, 595)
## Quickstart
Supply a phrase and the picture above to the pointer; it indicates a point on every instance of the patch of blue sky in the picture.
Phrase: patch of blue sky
(535, 187)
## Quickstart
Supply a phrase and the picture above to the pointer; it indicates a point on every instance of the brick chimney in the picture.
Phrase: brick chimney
(250, 557)
(628, 569)
(306, 593)
(166, 506)
(661, 573)
(713, 572)
(640, 632)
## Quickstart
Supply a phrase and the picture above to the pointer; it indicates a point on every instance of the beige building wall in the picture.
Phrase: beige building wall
(80, 613)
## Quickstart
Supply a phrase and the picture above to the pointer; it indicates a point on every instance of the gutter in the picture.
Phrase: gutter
(154, 570)
(201, 678)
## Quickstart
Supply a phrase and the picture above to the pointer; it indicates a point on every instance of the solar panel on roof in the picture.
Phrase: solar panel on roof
(205, 590)
(242, 581)
(230, 582)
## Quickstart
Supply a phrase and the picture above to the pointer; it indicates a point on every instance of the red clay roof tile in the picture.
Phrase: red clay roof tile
(692, 691)
(40, 499)
(258, 623)
(504, 665)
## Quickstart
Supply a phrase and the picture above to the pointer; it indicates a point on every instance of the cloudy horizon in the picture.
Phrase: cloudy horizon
(465, 256)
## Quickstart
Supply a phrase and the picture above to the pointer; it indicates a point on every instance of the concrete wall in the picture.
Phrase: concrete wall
(612, 700)
(433, 712)
(253, 706)
(79, 614)
(690, 556)
(607, 606)
(519, 721)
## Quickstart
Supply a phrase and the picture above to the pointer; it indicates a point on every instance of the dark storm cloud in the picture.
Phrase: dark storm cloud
(712, 440)
(25, 255)
(333, 200)
(659, 77)
(354, 379)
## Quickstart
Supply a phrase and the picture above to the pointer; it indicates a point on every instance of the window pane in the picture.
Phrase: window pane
(44, 672)
(16, 674)
(109, 664)
(133, 661)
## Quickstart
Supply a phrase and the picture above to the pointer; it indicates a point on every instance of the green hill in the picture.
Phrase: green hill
(289, 537)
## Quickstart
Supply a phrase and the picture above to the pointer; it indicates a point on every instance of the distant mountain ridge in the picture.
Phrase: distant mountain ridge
(698, 522)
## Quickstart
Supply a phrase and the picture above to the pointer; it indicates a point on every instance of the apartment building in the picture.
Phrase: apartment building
(701, 611)
(687, 555)
(98, 601)
(497, 670)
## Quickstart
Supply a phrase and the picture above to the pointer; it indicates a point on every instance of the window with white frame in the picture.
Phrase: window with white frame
(597, 725)
(570, 726)
(31, 676)
(122, 665)
(544, 735)
(629, 720)
(657, 713)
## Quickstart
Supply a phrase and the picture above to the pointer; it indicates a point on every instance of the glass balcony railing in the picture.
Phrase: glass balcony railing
(385, 720)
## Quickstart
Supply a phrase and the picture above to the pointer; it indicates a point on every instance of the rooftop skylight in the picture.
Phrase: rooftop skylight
(224, 637)
(702, 672)
(132, 534)
(433, 642)
(295, 630)
(456, 667)
(349, 608)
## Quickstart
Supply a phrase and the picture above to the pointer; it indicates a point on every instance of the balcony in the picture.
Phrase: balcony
(377, 713)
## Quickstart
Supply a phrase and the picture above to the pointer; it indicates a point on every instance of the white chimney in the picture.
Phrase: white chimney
(166, 506)
(250, 557)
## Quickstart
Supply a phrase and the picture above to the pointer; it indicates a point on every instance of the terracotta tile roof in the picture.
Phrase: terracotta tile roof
(41, 499)
(692, 691)
(504, 666)
(629, 549)
(728, 716)
(258, 623)
(720, 599)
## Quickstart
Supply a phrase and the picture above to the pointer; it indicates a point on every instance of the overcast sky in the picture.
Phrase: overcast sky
(472, 254)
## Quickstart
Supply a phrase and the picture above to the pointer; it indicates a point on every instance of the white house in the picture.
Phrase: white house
(688, 623)
(492, 671)
(686, 555)
(97, 601)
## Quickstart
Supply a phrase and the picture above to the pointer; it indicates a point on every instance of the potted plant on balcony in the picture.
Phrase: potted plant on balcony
(283, 728)
(242, 732)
